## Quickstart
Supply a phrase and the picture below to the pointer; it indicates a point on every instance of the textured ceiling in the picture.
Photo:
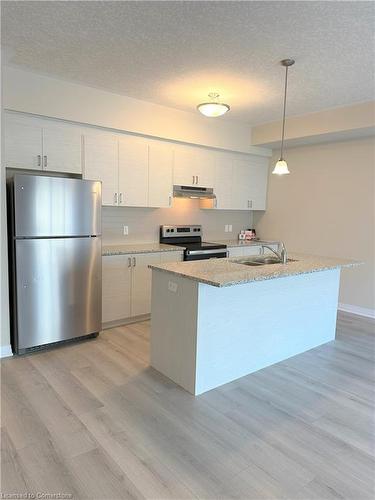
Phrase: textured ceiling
(175, 53)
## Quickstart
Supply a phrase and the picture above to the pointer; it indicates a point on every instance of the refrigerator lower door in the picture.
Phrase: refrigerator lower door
(55, 206)
(58, 290)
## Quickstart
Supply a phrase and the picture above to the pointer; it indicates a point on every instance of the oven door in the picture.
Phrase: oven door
(205, 254)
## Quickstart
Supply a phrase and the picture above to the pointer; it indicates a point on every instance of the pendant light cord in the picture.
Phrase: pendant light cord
(282, 133)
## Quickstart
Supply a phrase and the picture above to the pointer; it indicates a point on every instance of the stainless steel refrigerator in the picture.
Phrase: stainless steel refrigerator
(54, 227)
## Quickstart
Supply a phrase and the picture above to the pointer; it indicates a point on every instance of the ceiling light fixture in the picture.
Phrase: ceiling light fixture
(281, 166)
(214, 108)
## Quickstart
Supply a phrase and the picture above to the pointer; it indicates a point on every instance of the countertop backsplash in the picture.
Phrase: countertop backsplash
(144, 223)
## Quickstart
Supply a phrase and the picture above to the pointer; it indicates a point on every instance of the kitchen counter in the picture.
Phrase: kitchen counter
(229, 272)
(139, 248)
(206, 332)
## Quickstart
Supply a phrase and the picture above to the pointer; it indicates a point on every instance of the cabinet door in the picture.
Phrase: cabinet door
(62, 149)
(223, 181)
(251, 250)
(141, 282)
(160, 174)
(22, 143)
(258, 183)
(241, 194)
(116, 286)
(184, 166)
(171, 257)
(101, 164)
(133, 171)
(235, 252)
(205, 167)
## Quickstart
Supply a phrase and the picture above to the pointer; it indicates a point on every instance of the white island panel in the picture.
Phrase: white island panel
(247, 327)
(204, 336)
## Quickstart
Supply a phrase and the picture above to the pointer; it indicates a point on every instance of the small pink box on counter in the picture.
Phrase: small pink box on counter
(247, 234)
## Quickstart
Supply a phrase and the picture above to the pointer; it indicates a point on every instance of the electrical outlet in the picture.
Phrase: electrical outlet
(226, 228)
(126, 230)
(172, 286)
(230, 228)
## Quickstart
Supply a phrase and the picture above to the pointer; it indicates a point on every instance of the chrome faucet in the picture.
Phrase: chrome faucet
(282, 253)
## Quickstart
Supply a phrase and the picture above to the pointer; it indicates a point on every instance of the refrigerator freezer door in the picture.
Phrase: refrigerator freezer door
(56, 206)
(59, 294)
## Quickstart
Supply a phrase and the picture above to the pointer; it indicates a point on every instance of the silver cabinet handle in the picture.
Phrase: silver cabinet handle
(193, 179)
(134, 261)
(115, 198)
(170, 200)
(120, 198)
(215, 202)
(39, 160)
(129, 261)
(45, 160)
(197, 179)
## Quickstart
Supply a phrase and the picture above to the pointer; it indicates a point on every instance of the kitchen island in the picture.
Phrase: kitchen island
(213, 321)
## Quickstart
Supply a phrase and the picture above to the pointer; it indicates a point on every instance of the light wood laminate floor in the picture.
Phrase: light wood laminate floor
(92, 420)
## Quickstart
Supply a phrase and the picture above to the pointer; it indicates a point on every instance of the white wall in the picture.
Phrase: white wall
(144, 223)
(32, 93)
(326, 206)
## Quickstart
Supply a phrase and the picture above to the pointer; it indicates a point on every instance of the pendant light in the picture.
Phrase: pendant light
(214, 108)
(281, 167)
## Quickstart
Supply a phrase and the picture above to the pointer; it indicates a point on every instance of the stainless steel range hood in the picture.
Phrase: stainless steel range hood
(193, 192)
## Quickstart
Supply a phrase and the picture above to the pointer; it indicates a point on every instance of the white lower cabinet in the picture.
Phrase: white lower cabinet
(126, 284)
(141, 282)
(116, 287)
(244, 251)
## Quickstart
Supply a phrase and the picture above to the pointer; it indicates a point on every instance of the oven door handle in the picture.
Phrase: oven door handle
(206, 252)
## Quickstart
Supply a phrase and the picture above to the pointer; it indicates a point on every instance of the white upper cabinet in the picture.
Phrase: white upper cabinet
(62, 148)
(250, 183)
(223, 180)
(23, 143)
(258, 183)
(204, 167)
(37, 144)
(241, 193)
(133, 171)
(101, 164)
(240, 182)
(160, 174)
(193, 166)
(184, 166)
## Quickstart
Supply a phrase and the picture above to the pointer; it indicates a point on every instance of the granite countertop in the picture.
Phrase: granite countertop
(228, 272)
(139, 248)
(244, 243)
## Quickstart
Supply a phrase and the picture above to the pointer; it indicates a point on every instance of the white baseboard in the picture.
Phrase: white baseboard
(360, 311)
(5, 351)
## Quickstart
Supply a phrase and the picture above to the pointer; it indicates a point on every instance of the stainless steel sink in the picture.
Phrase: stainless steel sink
(261, 261)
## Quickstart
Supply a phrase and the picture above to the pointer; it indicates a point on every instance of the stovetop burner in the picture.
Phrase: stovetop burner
(190, 237)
